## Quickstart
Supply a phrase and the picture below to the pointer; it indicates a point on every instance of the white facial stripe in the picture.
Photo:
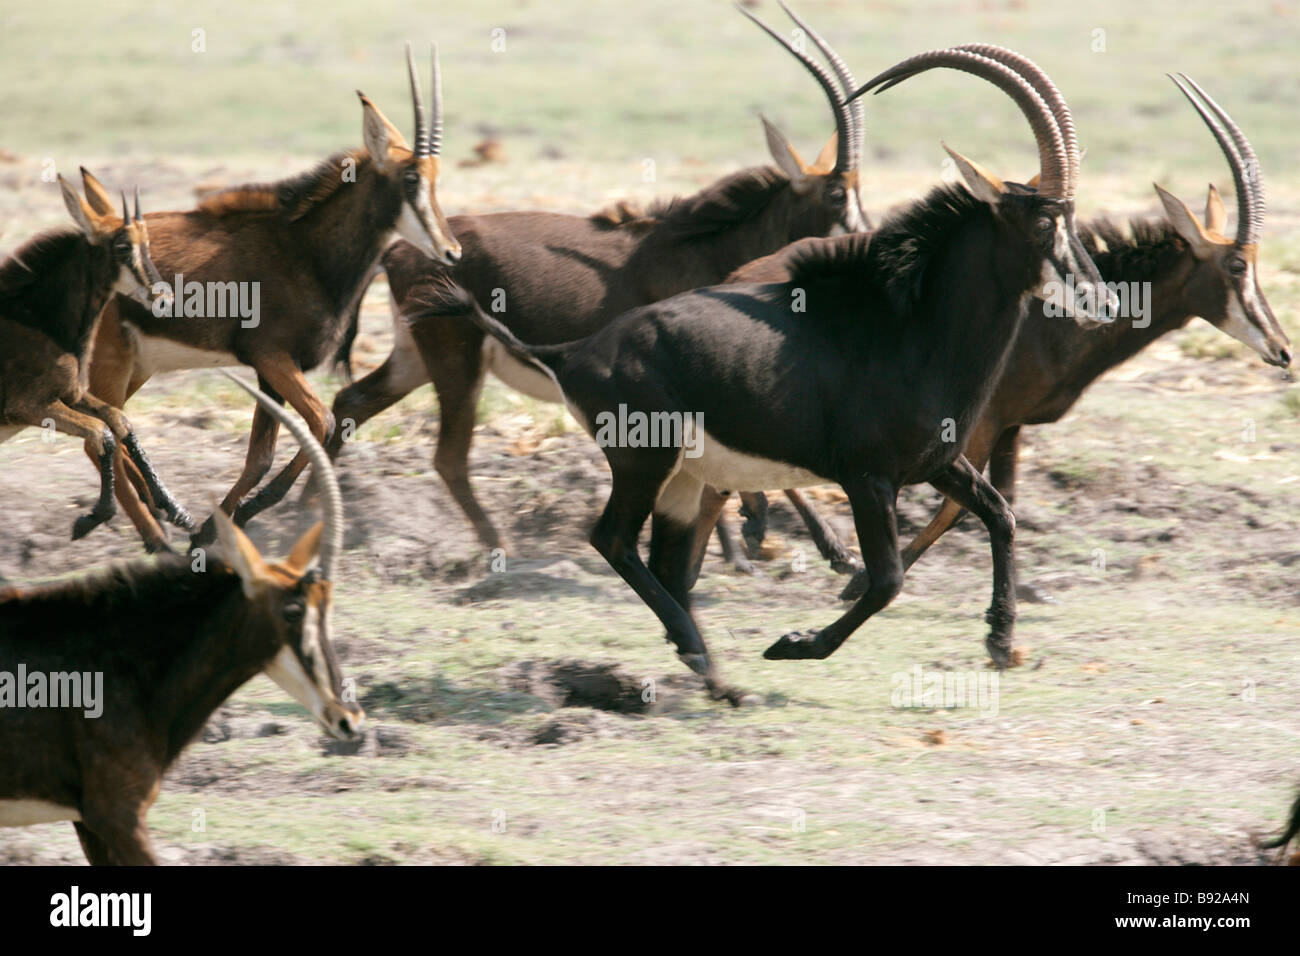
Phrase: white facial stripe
(1239, 324)
(287, 670)
(1061, 241)
(1053, 289)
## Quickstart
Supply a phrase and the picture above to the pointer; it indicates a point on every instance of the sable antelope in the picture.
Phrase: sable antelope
(1192, 268)
(52, 291)
(560, 277)
(307, 245)
(904, 334)
(165, 645)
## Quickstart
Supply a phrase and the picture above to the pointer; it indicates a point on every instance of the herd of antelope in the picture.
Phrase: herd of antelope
(919, 347)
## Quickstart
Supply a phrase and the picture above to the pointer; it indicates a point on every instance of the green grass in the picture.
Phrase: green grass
(618, 83)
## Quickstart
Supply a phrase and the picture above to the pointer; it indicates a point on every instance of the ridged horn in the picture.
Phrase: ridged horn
(417, 101)
(1241, 159)
(1054, 160)
(847, 83)
(843, 124)
(332, 534)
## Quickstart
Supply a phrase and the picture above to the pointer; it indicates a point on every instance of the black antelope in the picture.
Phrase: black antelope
(162, 645)
(904, 333)
(307, 246)
(1190, 267)
(52, 291)
(563, 277)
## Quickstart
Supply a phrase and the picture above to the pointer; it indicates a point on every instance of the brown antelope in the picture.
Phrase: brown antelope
(1190, 267)
(904, 332)
(131, 662)
(552, 277)
(304, 249)
(52, 291)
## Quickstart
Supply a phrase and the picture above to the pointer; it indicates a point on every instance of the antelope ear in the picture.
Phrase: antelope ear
(1184, 221)
(96, 194)
(305, 551)
(983, 185)
(77, 208)
(1216, 217)
(825, 161)
(241, 554)
(785, 156)
(378, 134)
(1033, 181)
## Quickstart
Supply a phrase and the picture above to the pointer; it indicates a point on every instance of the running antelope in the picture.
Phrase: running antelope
(144, 653)
(52, 291)
(1191, 268)
(305, 247)
(902, 338)
(563, 277)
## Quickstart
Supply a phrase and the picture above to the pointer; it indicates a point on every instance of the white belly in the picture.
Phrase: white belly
(25, 813)
(730, 470)
(519, 376)
(156, 354)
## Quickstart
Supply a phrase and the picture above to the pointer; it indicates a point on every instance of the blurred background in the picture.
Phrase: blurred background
(567, 88)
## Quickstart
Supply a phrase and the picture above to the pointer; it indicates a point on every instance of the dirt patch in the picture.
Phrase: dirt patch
(572, 683)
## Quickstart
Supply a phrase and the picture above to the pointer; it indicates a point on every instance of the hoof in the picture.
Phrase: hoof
(847, 564)
(856, 587)
(204, 536)
(1004, 655)
(182, 519)
(697, 662)
(742, 565)
(86, 524)
(796, 646)
(1033, 594)
(734, 697)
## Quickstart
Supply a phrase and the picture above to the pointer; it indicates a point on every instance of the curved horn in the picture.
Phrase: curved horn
(1053, 159)
(417, 99)
(137, 203)
(1241, 158)
(843, 125)
(332, 534)
(1042, 83)
(435, 141)
(847, 82)
(1036, 77)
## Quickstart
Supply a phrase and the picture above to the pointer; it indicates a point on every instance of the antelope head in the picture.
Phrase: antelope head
(1042, 216)
(414, 169)
(1224, 289)
(292, 599)
(125, 241)
(827, 189)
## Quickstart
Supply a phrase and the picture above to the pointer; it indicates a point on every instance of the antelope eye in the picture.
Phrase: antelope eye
(412, 176)
(122, 246)
(1044, 225)
(837, 195)
(293, 610)
(1237, 267)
